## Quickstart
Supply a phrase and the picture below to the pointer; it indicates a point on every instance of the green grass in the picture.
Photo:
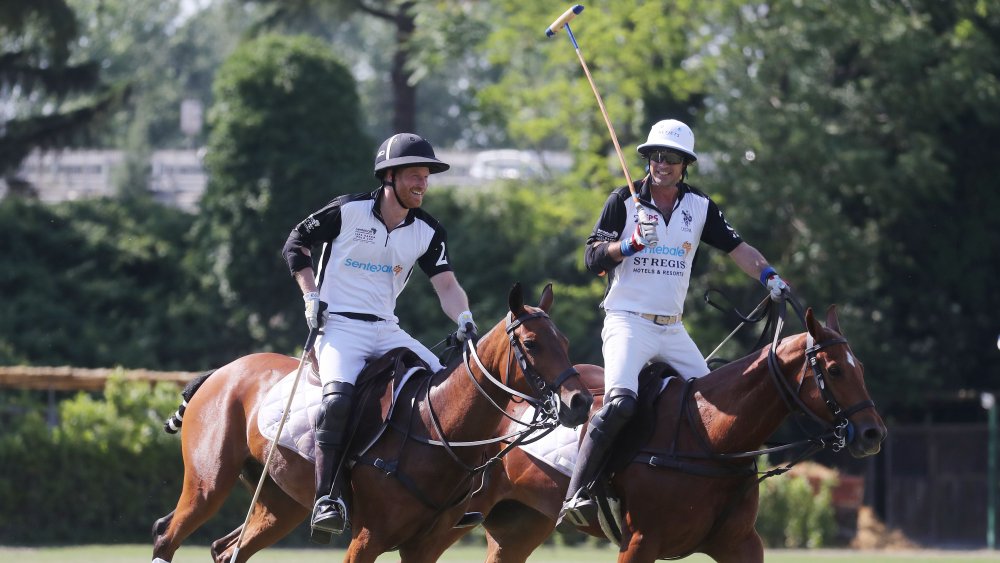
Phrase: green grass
(545, 554)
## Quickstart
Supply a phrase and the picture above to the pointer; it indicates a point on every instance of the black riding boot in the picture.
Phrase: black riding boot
(330, 512)
(597, 442)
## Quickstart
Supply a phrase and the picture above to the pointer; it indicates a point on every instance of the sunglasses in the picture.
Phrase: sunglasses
(669, 157)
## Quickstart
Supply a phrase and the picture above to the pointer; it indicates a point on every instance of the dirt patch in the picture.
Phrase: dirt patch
(873, 534)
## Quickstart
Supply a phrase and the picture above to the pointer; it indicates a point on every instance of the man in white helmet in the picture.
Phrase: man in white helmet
(647, 257)
(370, 243)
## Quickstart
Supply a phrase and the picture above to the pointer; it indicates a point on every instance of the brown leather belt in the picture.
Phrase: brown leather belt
(662, 320)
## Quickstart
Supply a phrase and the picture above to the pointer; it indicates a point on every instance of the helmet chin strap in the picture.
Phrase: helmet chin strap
(392, 183)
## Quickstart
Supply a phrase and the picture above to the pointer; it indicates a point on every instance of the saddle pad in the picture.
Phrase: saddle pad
(559, 448)
(297, 434)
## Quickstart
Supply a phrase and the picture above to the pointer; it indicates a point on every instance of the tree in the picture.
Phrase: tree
(858, 140)
(646, 59)
(50, 99)
(100, 283)
(415, 62)
(286, 138)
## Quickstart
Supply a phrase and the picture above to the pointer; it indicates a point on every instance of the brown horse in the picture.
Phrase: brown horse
(674, 502)
(435, 445)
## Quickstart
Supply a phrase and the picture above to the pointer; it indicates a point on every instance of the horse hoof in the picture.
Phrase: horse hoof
(470, 520)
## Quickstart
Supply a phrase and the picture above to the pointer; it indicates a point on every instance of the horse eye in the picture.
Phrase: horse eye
(530, 344)
(835, 371)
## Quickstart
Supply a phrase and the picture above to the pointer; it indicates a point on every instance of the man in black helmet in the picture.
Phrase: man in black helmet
(370, 243)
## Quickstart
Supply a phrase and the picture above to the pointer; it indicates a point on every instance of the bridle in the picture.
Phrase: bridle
(838, 433)
(546, 401)
(544, 420)
(539, 386)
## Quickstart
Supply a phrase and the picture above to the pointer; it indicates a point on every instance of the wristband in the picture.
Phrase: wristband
(310, 296)
(768, 272)
(627, 248)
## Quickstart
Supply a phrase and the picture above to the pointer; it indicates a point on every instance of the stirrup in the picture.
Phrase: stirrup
(580, 510)
(329, 517)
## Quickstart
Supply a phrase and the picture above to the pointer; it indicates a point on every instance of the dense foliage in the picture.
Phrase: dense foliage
(102, 283)
(286, 138)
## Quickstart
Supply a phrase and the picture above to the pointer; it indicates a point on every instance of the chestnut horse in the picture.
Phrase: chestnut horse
(434, 446)
(680, 493)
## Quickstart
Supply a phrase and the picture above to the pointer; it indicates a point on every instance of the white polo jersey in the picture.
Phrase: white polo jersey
(364, 267)
(656, 279)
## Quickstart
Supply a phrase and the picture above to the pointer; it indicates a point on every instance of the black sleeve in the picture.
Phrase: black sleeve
(608, 229)
(718, 232)
(322, 226)
(435, 260)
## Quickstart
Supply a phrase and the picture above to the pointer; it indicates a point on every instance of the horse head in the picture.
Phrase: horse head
(839, 395)
(542, 368)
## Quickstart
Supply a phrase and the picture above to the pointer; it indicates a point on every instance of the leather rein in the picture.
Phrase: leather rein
(545, 419)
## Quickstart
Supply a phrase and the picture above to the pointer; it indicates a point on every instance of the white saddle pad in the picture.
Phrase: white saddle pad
(557, 448)
(298, 434)
(560, 447)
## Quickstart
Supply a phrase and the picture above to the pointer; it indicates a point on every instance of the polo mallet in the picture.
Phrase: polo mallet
(310, 340)
(563, 22)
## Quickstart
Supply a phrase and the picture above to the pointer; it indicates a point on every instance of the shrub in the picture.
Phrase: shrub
(795, 514)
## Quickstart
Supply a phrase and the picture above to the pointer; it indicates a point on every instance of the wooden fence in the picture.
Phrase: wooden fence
(67, 378)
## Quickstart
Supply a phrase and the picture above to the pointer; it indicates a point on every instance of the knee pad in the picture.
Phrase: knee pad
(335, 412)
(619, 407)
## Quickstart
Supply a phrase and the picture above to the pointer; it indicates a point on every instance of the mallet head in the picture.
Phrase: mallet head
(563, 20)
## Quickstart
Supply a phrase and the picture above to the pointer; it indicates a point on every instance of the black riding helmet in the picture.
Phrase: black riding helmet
(406, 149)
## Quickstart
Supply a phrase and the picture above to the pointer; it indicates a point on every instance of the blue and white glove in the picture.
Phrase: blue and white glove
(313, 310)
(644, 235)
(464, 322)
(773, 282)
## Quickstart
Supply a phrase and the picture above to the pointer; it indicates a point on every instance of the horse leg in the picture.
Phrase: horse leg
(749, 549)
(514, 531)
(201, 497)
(274, 516)
(637, 548)
(362, 549)
(220, 545)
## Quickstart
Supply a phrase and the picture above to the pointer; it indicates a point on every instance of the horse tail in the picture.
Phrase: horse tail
(173, 424)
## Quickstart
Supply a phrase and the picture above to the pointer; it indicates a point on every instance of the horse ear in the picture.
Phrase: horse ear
(515, 299)
(547, 298)
(831, 319)
(811, 324)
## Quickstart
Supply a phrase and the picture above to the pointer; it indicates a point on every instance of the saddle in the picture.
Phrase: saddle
(377, 389)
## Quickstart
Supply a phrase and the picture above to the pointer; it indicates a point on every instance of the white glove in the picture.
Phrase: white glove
(776, 286)
(313, 310)
(464, 320)
(645, 231)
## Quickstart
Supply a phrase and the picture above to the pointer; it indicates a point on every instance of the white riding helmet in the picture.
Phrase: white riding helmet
(669, 134)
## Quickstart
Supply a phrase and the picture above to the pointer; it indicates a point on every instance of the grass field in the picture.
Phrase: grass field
(545, 554)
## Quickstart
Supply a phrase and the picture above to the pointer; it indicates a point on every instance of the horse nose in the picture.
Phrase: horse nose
(581, 402)
(869, 438)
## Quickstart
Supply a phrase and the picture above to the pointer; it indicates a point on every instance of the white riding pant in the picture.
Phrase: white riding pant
(347, 343)
(631, 341)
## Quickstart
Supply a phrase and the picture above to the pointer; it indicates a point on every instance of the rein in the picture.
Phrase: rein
(833, 436)
(544, 421)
